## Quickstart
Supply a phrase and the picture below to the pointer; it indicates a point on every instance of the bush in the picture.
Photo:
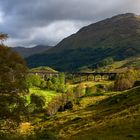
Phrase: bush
(125, 81)
(61, 103)
(49, 85)
(79, 91)
(43, 84)
(100, 88)
(62, 88)
(110, 87)
(57, 83)
(38, 102)
(70, 94)
(53, 106)
(91, 90)
(33, 80)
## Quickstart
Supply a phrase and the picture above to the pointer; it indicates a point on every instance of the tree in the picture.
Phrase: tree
(125, 81)
(38, 101)
(12, 72)
(3, 37)
(33, 81)
(12, 85)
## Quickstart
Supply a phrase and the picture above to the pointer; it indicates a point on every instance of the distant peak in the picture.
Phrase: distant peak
(127, 15)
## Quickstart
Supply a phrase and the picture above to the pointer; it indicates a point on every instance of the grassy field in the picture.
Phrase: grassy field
(45, 93)
(107, 117)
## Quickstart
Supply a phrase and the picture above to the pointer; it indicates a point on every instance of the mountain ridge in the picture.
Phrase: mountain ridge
(117, 37)
(26, 52)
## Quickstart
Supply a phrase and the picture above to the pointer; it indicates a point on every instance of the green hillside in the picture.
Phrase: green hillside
(122, 66)
(117, 37)
(114, 116)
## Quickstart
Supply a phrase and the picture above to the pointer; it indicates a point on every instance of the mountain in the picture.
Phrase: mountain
(117, 38)
(26, 52)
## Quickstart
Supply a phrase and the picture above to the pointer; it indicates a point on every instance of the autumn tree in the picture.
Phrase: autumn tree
(125, 81)
(12, 84)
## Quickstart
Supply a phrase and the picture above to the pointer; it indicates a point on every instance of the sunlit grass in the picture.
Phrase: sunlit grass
(47, 94)
(99, 117)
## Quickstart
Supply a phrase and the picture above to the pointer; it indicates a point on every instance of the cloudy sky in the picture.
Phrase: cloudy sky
(32, 22)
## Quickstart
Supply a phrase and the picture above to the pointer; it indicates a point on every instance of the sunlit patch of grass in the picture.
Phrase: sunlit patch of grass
(48, 95)
(120, 126)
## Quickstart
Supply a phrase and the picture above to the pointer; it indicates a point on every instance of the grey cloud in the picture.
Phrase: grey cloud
(38, 21)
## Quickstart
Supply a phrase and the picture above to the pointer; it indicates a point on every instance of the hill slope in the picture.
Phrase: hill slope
(117, 37)
(110, 117)
(26, 52)
(42, 69)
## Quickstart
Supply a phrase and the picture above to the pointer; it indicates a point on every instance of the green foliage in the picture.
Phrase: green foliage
(57, 83)
(50, 85)
(12, 108)
(38, 101)
(34, 81)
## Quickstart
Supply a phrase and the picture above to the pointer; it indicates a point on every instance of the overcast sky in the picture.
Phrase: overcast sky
(32, 22)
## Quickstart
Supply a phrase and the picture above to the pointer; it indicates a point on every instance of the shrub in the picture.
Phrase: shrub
(43, 84)
(79, 91)
(61, 88)
(53, 106)
(125, 81)
(100, 88)
(91, 90)
(61, 102)
(33, 80)
(49, 85)
(38, 101)
(110, 87)
(70, 94)
(57, 83)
